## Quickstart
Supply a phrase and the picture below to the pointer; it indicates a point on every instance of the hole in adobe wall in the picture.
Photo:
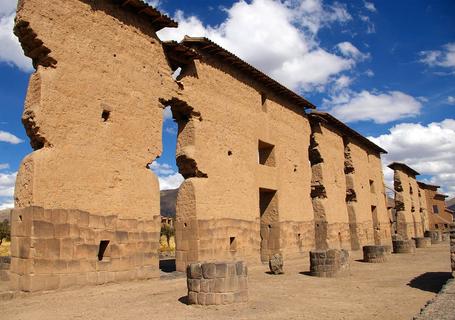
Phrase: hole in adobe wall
(266, 153)
(102, 249)
(115, 56)
(232, 244)
(105, 115)
(229, 153)
(264, 102)
(185, 225)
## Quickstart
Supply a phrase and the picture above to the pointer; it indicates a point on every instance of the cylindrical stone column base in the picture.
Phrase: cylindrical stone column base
(330, 263)
(374, 254)
(423, 242)
(436, 236)
(217, 283)
(404, 246)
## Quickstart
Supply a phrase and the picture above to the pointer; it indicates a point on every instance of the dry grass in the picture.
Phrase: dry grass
(5, 248)
(163, 244)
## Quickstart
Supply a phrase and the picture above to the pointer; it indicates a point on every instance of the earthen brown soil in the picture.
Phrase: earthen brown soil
(397, 289)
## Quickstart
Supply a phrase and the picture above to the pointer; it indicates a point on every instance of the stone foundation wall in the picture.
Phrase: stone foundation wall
(56, 248)
(329, 263)
(217, 283)
(5, 263)
(436, 236)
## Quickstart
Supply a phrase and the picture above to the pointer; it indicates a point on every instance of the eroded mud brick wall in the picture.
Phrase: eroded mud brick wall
(347, 171)
(423, 208)
(407, 203)
(328, 187)
(92, 109)
(244, 154)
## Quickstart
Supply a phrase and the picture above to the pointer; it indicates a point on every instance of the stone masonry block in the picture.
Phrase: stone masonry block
(42, 229)
(194, 271)
(221, 270)
(195, 285)
(208, 270)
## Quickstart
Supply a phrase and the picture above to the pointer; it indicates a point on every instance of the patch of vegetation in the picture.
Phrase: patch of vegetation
(5, 231)
(168, 233)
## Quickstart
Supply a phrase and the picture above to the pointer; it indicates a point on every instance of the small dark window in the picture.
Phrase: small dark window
(264, 102)
(446, 225)
(266, 153)
(435, 209)
(372, 189)
(105, 115)
(232, 244)
(102, 249)
(410, 189)
(436, 226)
(229, 153)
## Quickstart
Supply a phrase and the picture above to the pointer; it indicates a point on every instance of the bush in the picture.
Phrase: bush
(5, 231)
(168, 232)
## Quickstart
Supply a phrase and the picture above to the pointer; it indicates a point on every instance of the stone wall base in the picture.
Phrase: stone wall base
(329, 263)
(214, 283)
(57, 248)
(404, 246)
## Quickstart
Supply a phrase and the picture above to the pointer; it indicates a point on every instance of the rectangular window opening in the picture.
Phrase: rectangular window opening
(435, 209)
(372, 188)
(103, 253)
(266, 154)
(264, 102)
(232, 244)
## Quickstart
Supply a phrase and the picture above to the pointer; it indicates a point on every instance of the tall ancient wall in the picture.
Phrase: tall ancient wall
(380, 216)
(232, 133)
(409, 223)
(423, 209)
(329, 188)
(92, 110)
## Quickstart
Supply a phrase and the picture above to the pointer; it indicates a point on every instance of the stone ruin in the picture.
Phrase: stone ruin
(263, 175)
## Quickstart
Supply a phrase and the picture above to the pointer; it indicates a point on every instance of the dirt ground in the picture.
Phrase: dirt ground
(397, 289)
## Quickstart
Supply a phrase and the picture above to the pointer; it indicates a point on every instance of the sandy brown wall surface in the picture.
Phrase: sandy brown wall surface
(224, 140)
(103, 61)
(409, 223)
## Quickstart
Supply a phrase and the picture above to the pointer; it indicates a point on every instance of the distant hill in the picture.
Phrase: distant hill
(168, 200)
(451, 204)
(5, 214)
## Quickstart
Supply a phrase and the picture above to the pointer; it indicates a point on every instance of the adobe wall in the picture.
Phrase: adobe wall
(92, 110)
(407, 204)
(442, 217)
(329, 188)
(423, 209)
(218, 206)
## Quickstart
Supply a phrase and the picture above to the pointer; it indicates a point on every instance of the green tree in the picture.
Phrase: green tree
(169, 232)
(5, 231)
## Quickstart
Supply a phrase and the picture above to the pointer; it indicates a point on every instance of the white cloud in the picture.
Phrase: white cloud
(168, 178)
(7, 182)
(440, 58)
(429, 149)
(153, 3)
(349, 50)
(167, 113)
(377, 107)
(371, 28)
(369, 73)
(4, 166)
(171, 182)
(370, 6)
(6, 205)
(171, 130)
(450, 100)
(161, 169)
(279, 38)
(9, 138)
(10, 50)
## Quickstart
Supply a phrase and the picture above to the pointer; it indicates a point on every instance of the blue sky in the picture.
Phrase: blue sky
(387, 68)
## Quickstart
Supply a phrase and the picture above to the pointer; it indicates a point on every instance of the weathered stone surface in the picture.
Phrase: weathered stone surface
(329, 263)
(424, 242)
(216, 284)
(374, 254)
(404, 246)
(276, 264)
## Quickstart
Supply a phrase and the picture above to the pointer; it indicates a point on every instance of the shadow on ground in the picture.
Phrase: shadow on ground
(167, 265)
(430, 281)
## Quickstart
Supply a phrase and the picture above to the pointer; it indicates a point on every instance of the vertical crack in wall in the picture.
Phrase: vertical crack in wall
(351, 196)
(318, 191)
